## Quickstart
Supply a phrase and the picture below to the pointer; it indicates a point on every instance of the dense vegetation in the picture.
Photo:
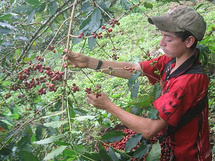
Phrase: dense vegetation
(43, 111)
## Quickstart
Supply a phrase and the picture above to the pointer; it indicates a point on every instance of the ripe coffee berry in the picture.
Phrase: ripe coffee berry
(51, 47)
(130, 69)
(103, 27)
(109, 30)
(74, 88)
(65, 66)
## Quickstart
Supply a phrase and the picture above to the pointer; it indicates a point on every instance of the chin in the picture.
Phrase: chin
(169, 55)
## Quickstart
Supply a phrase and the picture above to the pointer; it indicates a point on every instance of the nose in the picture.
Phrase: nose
(162, 42)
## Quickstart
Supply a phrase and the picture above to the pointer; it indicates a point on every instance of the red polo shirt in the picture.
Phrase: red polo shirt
(180, 92)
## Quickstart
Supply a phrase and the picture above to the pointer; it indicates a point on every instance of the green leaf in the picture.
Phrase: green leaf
(33, 2)
(143, 101)
(24, 141)
(85, 22)
(54, 114)
(92, 156)
(6, 25)
(55, 124)
(28, 129)
(103, 6)
(136, 110)
(40, 131)
(7, 122)
(154, 153)
(95, 20)
(113, 136)
(156, 91)
(91, 43)
(148, 5)
(53, 7)
(6, 151)
(41, 8)
(135, 90)
(152, 113)
(132, 142)
(26, 156)
(82, 118)
(69, 153)
(80, 111)
(55, 152)
(6, 83)
(112, 154)
(86, 7)
(132, 79)
(49, 140)
(23, 9)
(3, 125)
(124, 4)
(94, 23)
(31, 16)
(142, 150)
(103, 153)
(7, 16)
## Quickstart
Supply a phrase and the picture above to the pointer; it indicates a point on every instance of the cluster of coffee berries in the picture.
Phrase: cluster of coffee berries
(8, 95)
(48, 77)
(81, 35)
(99, 35)
(5, 5)
(96, 91)
(74, 88)
(120, 145)
(130, 69)
(115, 57)
(114, 22)
(52, 49)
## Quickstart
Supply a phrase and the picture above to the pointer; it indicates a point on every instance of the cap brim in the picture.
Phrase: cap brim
(164, 23)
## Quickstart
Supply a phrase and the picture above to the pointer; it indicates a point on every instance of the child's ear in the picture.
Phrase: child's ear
(190, 41)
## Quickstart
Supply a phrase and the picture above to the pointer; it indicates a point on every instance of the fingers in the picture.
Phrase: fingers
(71, 54)
(69, 57)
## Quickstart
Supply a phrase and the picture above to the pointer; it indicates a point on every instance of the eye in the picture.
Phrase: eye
(168, 40)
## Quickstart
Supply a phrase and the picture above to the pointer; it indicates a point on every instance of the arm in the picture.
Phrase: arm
(82, 61)
(147, 127)
(116, 66)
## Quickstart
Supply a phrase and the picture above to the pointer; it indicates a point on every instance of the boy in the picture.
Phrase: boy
(182, 106)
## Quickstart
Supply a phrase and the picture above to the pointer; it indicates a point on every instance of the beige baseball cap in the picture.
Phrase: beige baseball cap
(181, 19)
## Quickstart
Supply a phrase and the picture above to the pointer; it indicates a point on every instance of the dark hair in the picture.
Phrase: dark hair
(184, 35)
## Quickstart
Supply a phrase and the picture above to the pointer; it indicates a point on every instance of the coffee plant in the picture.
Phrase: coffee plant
(43, 112)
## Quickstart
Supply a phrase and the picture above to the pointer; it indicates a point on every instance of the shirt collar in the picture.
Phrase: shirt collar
(186, 65)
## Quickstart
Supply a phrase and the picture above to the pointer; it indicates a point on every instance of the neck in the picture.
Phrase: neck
(182, 58)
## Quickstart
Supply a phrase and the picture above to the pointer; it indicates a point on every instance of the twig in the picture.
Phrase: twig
(65, 75)
(103, 10)
(54, 37)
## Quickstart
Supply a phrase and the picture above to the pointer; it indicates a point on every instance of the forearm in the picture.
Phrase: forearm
(147, 127)
(113, 68)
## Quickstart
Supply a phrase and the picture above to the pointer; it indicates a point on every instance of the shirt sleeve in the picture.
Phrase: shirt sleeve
(153, 68)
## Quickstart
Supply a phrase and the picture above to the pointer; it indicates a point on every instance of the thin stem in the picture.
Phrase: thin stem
(103, 10)
(54, 36)
(65, 75)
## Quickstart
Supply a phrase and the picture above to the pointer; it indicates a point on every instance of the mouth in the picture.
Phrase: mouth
(161, 51)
